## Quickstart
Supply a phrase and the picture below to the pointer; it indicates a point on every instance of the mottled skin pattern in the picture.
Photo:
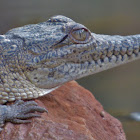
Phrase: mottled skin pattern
(36, 59)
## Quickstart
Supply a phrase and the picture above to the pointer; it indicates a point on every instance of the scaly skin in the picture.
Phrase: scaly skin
(36, 59)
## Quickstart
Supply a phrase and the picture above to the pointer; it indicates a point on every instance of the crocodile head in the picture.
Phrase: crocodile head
(55, 51)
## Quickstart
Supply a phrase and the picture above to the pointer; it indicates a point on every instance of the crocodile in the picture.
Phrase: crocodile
(38, 58)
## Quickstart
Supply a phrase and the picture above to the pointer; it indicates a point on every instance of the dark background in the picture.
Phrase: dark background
(117, 89)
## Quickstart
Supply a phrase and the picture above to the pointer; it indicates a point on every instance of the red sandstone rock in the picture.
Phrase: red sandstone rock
(74, 114)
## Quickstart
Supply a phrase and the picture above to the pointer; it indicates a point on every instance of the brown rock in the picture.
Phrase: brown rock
(74, 114)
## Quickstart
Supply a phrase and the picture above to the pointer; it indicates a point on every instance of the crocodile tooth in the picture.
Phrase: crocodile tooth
(103, 55)
(125, 57)
(97, 67)
(119, 59)
(99, 62)
(109, 53)
(129, 50)
(113, 58)
(133, 56)
(92, 63)
(123, 50)
(136, 49)
(106, 60)
(116, 50)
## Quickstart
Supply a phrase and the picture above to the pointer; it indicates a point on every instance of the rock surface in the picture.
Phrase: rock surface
(74, 114)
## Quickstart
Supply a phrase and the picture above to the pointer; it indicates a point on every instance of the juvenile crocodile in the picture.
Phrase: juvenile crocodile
(36, 59)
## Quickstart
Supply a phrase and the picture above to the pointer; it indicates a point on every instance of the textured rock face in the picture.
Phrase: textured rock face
(74, 114)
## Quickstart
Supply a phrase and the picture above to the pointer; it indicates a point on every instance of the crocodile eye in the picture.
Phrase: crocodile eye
(81, 35)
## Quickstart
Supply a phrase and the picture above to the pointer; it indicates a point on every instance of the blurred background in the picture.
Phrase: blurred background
(117, 89)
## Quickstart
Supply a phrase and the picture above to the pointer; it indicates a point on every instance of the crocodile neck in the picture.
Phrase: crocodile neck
(13, 83)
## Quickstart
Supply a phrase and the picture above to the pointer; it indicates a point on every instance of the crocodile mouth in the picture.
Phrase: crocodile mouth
(50, 75)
